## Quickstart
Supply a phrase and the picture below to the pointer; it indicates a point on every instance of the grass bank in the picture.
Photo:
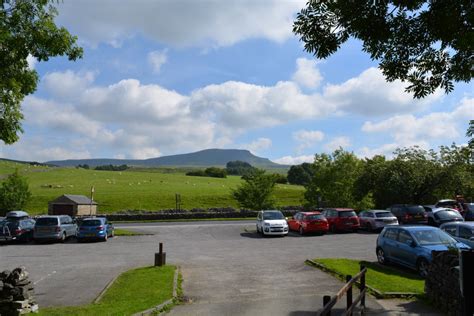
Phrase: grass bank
(132, 292)
(126, 232)
(135, 190)
(385, 279)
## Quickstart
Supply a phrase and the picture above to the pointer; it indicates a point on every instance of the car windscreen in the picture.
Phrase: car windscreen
(94, 222)
(446, 215)
(47, 221)
(347, 213)
(433, 237)
(415, 210)
(314, 217)
(383, 214)
(273, 215)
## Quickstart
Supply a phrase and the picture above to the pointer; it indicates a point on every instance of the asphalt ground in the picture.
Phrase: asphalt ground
(228, 269)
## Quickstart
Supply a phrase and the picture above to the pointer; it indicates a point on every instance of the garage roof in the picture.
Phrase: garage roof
(76, 199)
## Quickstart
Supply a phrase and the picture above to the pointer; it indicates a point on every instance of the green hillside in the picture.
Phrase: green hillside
(131, 189)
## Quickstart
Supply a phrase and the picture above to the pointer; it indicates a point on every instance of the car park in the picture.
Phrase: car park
(411, 246)
(376, 220)
(439, 216)
(462, 232)
(308, 222)
(272, 222)
(341, 219)
(409, 214)
(58, 227)
(95, 228)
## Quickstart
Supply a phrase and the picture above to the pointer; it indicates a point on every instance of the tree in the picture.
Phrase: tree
(14, 193)
(239, 168)
(300, 174)
(427, 43)
(27, 28)
(333, 181)
(256, 192)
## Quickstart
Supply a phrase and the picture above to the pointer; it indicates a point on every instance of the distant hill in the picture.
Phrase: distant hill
(33, 163)
(203, 158)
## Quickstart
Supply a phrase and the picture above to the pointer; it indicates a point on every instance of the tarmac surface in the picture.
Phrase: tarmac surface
(228, 269)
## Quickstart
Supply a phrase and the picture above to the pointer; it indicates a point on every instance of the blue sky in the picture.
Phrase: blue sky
(169, 77)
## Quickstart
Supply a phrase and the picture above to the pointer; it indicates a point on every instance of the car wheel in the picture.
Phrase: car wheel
(112, 234)
(422, 267)
(63, 237)
(381, 256)
(301, 230)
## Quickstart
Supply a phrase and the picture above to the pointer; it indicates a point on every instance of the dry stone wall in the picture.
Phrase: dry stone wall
(16, 293)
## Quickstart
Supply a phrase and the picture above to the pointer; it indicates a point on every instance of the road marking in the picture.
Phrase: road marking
(49, 274)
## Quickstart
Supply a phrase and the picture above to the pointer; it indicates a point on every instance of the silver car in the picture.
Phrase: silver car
(461, 231)
(375, 220)
(58, 227)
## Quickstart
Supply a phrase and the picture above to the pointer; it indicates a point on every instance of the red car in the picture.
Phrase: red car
(309, 222)
(342, 219)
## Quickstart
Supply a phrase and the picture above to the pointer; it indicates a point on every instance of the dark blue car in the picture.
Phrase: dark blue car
(95, 228)
(411, 246)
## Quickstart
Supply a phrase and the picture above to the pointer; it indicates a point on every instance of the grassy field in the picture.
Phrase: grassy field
(133, 291)
(135, 190)
(383, 278)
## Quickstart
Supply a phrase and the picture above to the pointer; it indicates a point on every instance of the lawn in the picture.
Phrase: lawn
(385, 279)
(133, 291)
(125, 232)
(135, 190)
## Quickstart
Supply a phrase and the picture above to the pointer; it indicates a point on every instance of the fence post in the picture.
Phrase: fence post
(160, 257)
(362, 286)
(326, 300)
(349, 293)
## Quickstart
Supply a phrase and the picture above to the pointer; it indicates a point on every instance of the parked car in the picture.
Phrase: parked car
(462, 232)
(309, 222)
(440, 216)
(469, 214)
(375, 220)
(453, 204)
(272, 222)
(16, 229)
(411, 246)
(409, 214)
(95, 228)
(342, 219)
(59, 227)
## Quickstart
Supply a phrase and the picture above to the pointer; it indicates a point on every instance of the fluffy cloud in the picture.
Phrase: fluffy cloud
(31, 61)
(307, 139)
(157, 59)
(258, 145)
(290, 160)
(180, 23)
(336, 143)
(307, 74)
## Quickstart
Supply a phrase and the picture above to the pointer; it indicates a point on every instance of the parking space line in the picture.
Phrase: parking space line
(41, 279)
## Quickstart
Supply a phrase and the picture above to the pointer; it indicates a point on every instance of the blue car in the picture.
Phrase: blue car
(411, 246)
(95, 228)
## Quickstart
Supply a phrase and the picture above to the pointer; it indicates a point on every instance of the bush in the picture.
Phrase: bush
(196, 173)
(239, 168)
(212, 172)
(279, 178)
(14, 193)
(112, 168)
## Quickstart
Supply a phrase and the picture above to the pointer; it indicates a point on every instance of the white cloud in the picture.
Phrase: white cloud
(146, 152)
(157, 59)
(307, 139)
(337, 142)
(290, 160)
(307, 74)
(258, 145)
(436, 125)
(67, 84)
(31, 61)
(180, 23)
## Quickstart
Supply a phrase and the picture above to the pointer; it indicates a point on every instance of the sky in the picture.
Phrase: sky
(177, 76)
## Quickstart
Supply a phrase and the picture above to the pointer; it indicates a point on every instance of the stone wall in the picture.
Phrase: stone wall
(16, 293)
(442, 283)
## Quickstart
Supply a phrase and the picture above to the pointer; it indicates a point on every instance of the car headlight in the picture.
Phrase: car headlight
(266, 224)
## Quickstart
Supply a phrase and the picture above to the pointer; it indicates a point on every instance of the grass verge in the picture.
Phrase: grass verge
(126, 232)
(384, 279)
(213, 219)
(133, 291)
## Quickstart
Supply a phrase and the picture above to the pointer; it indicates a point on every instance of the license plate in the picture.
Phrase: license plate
(90, 235)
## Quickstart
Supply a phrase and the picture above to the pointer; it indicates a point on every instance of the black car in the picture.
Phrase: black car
(12, 229)
(409, 214)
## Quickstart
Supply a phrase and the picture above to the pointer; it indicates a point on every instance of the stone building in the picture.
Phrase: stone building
(73, 205)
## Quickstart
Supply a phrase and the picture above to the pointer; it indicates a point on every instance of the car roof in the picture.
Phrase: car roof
(311, 213)
(268, 211)
(339, 209)
(50, 216)
(446, 200)
(377, 211)
(444, 209)
(417, 227)
(93, 218)
(470, 224)
(17, 214)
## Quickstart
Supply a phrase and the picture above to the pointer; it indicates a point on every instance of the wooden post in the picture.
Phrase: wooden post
(362, 286)
(160, 257)
(349, 293)
(326, 299)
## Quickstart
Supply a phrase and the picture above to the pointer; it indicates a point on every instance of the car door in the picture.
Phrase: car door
(292, 222)
(390, 243)
(362, 218)
(405, 249)
(465, 234)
